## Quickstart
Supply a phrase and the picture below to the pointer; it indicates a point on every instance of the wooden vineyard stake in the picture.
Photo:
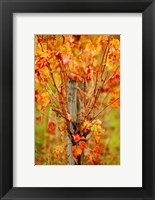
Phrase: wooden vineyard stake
(72, 108)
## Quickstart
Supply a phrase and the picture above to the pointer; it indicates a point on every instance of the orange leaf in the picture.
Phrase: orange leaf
(95, 158)
(97, 150)
(76, 151)
(114, 80)
(69, 117)
(82, 145)
(44, 100)
(115, 103)
(42, 62)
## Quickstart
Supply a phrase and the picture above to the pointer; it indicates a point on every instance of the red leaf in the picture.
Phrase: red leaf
(65, 59)
(39, 118)
(88, 77)
(50, 127)
(37, 96)
(88, 130)
(76, 137)
(59, 55)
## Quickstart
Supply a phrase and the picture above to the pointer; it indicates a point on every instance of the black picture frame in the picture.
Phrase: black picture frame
(7, 8)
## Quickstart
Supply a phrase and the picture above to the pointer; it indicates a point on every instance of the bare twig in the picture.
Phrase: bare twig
(105, 108)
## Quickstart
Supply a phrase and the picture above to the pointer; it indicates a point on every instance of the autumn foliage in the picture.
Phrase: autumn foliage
(92, 64)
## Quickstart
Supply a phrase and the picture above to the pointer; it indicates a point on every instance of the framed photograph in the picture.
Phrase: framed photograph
(77, 99)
